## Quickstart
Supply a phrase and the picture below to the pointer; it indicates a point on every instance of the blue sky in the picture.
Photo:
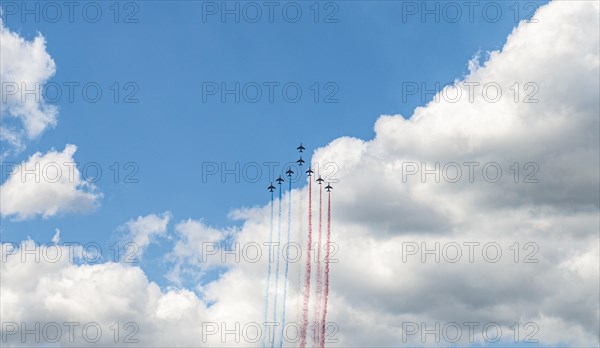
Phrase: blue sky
(170, 132)
(167, 114)
(365, 54)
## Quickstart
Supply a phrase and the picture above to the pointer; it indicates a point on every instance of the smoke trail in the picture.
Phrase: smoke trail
(319, 275)
(287, 259)
(307, 272)
(268, 269)
(327, 251)
(277, 267)
(299, 264)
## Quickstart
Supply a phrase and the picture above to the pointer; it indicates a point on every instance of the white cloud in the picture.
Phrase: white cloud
(56, 237)
(47, 184)
(145, 229)
(193, 240)
(24, 65)
(373, 290)
(59, 292)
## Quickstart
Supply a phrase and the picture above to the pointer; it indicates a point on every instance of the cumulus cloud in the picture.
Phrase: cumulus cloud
(47, 184)
(145, 229)
(528, 250)
(97, 295)
(194, 239)
(24, 66)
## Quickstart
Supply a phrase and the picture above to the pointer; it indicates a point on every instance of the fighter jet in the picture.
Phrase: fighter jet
(319, 180)
(300, 161)
(289, 171)
(300, 148)
(279, 180)
(309, 171)
(328, 187)
(271, 188)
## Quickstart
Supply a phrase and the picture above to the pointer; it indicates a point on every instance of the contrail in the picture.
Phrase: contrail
(277, 267)
(268, 270)
(319, 275)
(299, 269)
(307, 272)
(299, 231)
(327, 252)
(287, 258)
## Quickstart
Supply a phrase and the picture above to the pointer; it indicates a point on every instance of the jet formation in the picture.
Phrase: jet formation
(309, 172)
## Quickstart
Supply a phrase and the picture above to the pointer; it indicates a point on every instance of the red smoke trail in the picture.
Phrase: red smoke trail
(319, 275)
(326, 291)
(300, 271)
(307, 274)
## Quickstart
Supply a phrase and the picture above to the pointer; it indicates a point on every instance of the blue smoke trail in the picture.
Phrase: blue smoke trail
(269, 270)
(277, 268)
(287, 260)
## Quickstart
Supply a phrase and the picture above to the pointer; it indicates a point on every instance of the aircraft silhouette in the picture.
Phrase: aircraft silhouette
(309, 171)
(271, 188)
(319, 180)
(328, 187)
(289, 171)
(300, 161)
(279, 180)
(300, 148)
